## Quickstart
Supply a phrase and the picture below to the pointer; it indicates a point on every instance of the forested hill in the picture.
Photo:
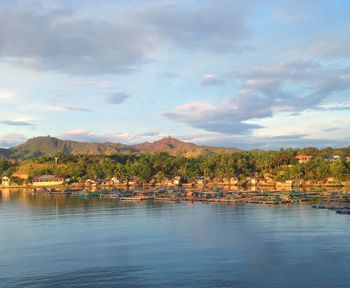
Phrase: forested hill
(174, 146)
(50, 145)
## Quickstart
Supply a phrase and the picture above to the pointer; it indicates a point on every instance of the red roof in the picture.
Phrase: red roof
(304, 157)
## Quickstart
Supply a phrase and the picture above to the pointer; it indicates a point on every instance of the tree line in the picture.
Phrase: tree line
(158, 166)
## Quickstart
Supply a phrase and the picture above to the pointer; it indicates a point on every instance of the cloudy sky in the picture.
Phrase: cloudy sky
(249, 74)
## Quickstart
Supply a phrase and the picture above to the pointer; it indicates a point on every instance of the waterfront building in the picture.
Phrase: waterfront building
(116, 180)
(5, 181)
(48, 180)
(177, 180)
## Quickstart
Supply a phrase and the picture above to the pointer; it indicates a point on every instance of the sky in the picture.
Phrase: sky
(235, 73)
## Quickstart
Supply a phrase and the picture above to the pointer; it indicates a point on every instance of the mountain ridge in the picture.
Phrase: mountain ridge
(47, 145)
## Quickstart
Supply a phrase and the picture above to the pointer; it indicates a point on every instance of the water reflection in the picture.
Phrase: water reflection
(68, 242)
(5, 194)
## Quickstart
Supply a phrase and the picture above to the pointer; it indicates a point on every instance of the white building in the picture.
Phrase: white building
(5, 181)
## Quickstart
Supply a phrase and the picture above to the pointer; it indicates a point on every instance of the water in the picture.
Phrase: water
(60, 242)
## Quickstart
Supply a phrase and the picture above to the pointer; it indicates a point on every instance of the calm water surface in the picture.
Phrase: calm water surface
(61, 242)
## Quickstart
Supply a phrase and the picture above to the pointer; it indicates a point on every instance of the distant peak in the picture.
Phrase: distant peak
(41, 138)
(169, 139)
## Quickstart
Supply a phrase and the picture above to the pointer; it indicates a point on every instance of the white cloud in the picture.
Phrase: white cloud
(78, 109)
(16, 123)
(6, 95)
(198, 107)
(11, 140)
(116, 98)
(148, 134)
(85, 135)
(292, 86)
(226, 117)
(211, 80)
(46, 37)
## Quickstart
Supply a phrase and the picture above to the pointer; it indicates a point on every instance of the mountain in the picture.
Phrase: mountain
(168, 144)
(50, 145)
(174, 146)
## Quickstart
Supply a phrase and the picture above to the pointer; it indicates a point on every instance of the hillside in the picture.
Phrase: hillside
(174, 146)
(50, 145)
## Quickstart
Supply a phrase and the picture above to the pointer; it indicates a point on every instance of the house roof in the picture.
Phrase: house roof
(303, 157)
(46, 178)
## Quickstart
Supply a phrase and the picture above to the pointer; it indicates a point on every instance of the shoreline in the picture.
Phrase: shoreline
(176, 194)
(184, 186)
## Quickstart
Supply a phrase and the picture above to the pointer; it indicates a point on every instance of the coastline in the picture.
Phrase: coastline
(214, 185)
(248, 195)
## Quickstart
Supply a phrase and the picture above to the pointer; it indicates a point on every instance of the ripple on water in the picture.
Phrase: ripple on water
(48, 242)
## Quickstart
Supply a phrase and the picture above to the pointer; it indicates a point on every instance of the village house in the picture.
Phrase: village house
(332, 158)
(90, 182)
(268, 180)
(107, 182)
(47, 180)
(177, 180)
(5, 181)
(201, 180)
(288, 184)
(234, 181)
(217, 181)
(225, 181)
(303, 158)
(116, 181)
(252, 181)
(228, 181)
(134, 181)
(152, 182)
